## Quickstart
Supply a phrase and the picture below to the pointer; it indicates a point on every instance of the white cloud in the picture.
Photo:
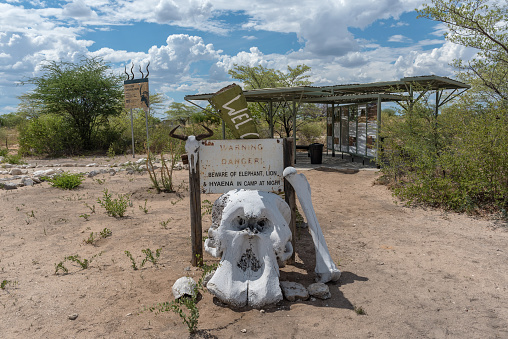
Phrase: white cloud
(399, 38)
(78, 9)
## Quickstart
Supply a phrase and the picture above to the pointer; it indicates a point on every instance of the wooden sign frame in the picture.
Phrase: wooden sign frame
(195, 205)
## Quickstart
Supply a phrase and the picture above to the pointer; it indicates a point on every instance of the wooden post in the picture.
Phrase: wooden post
(289, 192)
(195, 214)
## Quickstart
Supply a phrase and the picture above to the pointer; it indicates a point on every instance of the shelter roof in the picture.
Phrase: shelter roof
(352, 93)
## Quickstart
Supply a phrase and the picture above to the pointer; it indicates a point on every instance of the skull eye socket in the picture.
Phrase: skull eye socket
(241, 221)
(261, 223)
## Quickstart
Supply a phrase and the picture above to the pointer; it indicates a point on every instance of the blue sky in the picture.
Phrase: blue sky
(191, 44)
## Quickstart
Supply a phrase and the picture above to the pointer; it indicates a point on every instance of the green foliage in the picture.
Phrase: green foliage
(11, 120)
(66, 180)
(310, 132)
(114, 207)
(4, 152)
(93, 237)
(144, 208)
(480, 24)
(85, 94)
(149, 256)
(164, 181)
(261, 77)
(133, 262)
(13, 159)
(48, 134)
(84, 264)
(186, 306)
(456, 160)
(6, 282)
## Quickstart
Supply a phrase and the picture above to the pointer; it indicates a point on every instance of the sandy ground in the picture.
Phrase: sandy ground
(416, 273)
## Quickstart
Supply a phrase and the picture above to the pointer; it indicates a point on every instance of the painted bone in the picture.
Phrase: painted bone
(191, 144)
(325, 267)
(250, 232)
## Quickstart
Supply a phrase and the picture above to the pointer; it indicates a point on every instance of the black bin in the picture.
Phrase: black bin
(316, 153)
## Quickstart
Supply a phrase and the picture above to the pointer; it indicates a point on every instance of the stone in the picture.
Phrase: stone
(73, 316)
(293, 291)
(141, 161)
(27, 182)
(91, 165)
(319, 290)
(36, 180)
(93, 173)
(112, 172)
(250, 233)
(15, 171)
(44, 173)
(69, 165)
(9, 186)
(184, 286)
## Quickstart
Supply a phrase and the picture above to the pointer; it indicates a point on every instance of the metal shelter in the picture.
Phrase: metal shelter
(406, 92)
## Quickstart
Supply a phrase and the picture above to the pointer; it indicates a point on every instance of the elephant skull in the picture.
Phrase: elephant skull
(250, 232)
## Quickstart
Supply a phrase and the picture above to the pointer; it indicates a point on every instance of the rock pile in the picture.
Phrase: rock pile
(14, 176)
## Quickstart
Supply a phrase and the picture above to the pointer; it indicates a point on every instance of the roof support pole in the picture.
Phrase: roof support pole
(378, 130)
(333, 128)
(270, 114)
(294, 128)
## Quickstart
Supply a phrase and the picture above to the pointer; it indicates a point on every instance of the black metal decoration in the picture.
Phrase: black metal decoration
(132, 72)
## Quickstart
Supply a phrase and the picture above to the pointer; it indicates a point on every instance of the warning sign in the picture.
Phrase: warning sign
(136, 93)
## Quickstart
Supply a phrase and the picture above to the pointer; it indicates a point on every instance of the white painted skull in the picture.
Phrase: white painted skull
(250, 232)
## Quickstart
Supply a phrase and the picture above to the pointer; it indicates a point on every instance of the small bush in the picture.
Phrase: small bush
(114, 207)
(66, 180)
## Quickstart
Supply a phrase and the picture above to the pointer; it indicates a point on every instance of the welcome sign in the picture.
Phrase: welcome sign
(232, 106)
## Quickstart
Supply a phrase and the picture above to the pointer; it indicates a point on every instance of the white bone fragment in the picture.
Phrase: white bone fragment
(325, 267)
(250, 232)
(192, 147)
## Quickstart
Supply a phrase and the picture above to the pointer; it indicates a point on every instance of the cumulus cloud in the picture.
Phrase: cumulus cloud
(78, 9)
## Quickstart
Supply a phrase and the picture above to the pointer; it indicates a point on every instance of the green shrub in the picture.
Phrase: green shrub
(456, 160)
(48, 134)
(66, 180)
(114, 207)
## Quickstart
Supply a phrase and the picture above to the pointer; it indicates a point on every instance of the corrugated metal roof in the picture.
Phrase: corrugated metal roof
(350, 93)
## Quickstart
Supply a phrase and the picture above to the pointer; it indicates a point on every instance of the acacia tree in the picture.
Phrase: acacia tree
(262, 77)
(480, 24)
(84, 93)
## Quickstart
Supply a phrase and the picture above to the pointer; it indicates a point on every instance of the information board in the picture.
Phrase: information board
(136, 93)
(255, 164)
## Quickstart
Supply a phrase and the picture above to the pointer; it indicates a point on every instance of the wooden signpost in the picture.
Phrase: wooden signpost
(137, 95)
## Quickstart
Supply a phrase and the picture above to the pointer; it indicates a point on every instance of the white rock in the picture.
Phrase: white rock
(28, 182)
(184, 286)
(36, 180)
(319, 290)
(15, 171)
(294, 291)
(93, 173)
(91, 165)
(141, 161)
(44, 173)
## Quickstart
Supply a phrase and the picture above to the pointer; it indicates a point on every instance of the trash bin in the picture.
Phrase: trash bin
(316, 153)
